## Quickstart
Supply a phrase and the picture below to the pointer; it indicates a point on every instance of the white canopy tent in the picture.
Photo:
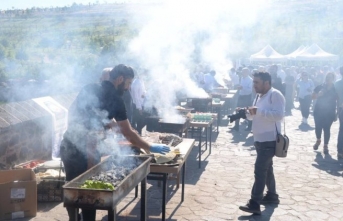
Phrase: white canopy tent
(299, 50)
(268, 54)
(315, 53)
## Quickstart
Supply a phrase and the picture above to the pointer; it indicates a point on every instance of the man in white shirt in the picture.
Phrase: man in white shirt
(210, 81)
(281, 73)
(245, 90)
(138, 95)
(234, 78)
(266, 114)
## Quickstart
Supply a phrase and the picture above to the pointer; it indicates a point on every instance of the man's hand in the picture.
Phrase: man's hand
(252, 110)
(159, 148)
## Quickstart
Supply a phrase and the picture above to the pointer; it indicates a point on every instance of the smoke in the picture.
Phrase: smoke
(176, 37)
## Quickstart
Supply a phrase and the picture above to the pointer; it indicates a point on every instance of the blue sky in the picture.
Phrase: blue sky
(23, 4)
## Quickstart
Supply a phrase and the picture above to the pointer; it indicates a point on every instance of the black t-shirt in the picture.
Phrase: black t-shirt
(326, 103)
(94, 107)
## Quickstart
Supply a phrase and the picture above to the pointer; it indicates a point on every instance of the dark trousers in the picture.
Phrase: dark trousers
(305, 104)
(289, 98)
(264, 175)
(322, 123)
(138, 119)
(340, 133)
(75, 163)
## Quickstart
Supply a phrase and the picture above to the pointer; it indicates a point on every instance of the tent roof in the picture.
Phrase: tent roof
(296, 52)
(314, 52)
(267, 54)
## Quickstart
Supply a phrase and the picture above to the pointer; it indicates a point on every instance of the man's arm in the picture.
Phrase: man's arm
(276, 113)
(131, 136)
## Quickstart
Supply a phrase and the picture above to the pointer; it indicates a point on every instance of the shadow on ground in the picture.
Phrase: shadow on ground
(305, 127)
(265, 216)
(328, 164)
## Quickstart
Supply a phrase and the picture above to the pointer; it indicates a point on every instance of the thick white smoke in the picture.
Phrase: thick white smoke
(176, 36)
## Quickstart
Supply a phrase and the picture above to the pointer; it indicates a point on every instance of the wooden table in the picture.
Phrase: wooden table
(201, 125)
(160, 172)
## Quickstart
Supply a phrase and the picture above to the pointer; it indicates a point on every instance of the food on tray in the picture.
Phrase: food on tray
(50, 173)
(167, 138)
(164, 158)
(29, 165)
(99, 185)
(115, 173)
(176, 151)
(179, 108)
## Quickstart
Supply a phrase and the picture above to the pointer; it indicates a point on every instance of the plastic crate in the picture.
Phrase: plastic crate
(50, 191)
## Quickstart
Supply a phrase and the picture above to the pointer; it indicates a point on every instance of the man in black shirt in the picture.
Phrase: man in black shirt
(96, 108)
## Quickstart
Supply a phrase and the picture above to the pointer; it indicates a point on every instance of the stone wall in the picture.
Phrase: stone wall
(26, 131)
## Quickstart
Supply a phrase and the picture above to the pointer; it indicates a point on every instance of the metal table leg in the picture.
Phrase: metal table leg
(206, 137)
(211, 138)
(164, 197)
(76, 214)
(111, 215)
(136, 192)
(144, 202)
(200, 148)
(183, 182)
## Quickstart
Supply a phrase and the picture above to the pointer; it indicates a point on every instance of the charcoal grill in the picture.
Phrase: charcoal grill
(201, 104)
(77, 197)
(152, 124)
(177, 128)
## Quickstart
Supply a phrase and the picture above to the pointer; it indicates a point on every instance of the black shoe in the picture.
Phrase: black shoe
(251, 207)
(268, 199)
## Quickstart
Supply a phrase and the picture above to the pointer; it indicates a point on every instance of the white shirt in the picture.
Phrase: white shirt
(305, 88)
(246, 83)
(270, 112)
(281, 74)
(234, 78)
(209, 82)
(138, 93)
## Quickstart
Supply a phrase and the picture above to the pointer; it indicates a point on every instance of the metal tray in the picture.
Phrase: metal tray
(77, 197)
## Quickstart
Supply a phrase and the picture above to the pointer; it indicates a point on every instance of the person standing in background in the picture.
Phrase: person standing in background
(281, 73)
(138, 95)
(276, 81)
(210, 81)
(339, 90)
(234, 78)
(325, 110)
(305, 86)
(245, 91)
(289, 83)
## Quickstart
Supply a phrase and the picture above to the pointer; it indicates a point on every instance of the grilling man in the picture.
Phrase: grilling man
(96, 108)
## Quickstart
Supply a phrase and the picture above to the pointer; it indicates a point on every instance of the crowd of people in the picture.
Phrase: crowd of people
(316, 88)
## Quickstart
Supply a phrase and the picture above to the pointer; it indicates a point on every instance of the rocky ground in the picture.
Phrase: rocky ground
(309, 183)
